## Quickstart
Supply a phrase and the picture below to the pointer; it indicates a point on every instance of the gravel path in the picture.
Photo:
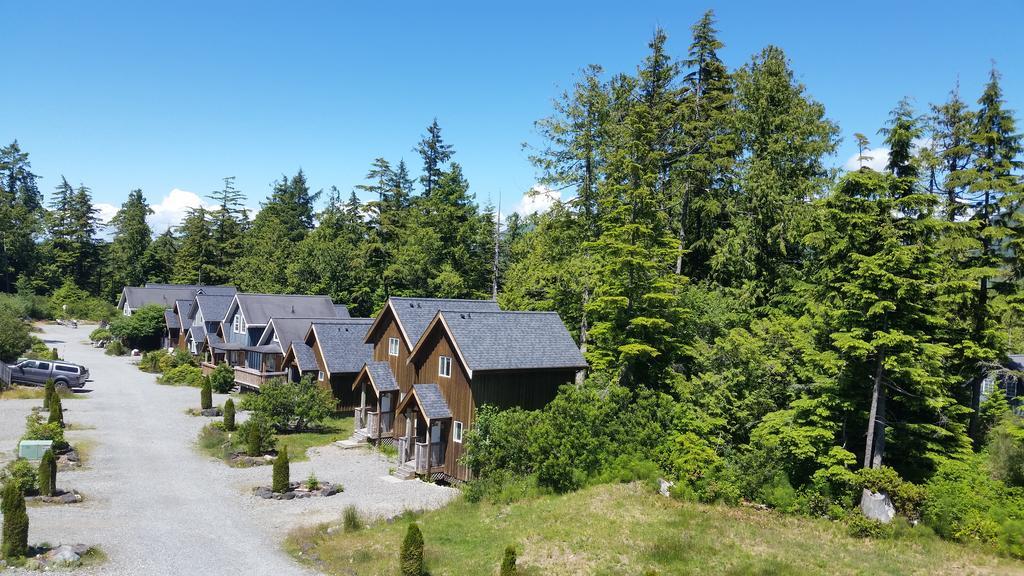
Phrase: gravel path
(157, 506)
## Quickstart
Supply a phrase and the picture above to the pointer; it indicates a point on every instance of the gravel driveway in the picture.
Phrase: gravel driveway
(157, 506)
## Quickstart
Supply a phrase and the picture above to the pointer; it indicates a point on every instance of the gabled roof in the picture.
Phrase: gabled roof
(342, 344)
(184, 309)
(341, 311)
(258, 309)
(288, 329)
(380, 375)
(302, 353)
(197, 333)
(413, 315)
(165, 294)
(171, 319)
(430, 401)
(213, 306)
(487, 341)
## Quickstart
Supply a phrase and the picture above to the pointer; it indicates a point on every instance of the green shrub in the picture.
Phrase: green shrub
(212, 436)
(48, 474)
(281, 471)
(229, 415)
(293, 406)
(36, 429)
(780, 494)
(183, 376)
(1006, 451)
(48, 390)
(79, 304)
(15, 524)
(56, 411)
(626, 469)
(508, 563)
(258, 434)
(100, 334)
(14, 335)
(142, 329)
(351, 520)
(860, 526)
(502, 487)
(115, 348)
(312, 482)
(206, 395)
(411, 559)
(500, 440)
(222, 378)
(1011, 538)
(183, 358)
(906, 497)
(23, 474)
(153, 361)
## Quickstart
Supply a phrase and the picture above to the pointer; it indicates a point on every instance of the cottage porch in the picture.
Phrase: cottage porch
(423, 447)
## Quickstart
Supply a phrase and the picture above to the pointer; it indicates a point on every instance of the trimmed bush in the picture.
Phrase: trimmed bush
(21, 473)
(508, 563)
(100, 334)
(49, 390)
(14, 542)
(183, 375)
(56, 411)
(229, 415)
(281, 472)
(411, 559)
(36, 429)
(151, 361)
(351, 520)
(222, 378)
(206, 395)
(114, 348)
(48, 474)
(293, 406)
(259, 436)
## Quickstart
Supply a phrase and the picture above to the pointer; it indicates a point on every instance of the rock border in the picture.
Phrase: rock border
(298, 490)
(63, 497)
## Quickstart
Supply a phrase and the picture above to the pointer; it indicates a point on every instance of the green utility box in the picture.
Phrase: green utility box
(34, 449)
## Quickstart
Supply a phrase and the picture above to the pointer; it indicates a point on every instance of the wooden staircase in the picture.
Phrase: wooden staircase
(357, 439)
(407, 471)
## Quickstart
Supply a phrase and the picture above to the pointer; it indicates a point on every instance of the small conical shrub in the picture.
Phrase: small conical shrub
(281, 472)
(48, 474)
(56, 410)
(253, 441)
(206, 395)
(508, 563)
(48, 391)
(229, 415)
(412, 552)
(15, 526)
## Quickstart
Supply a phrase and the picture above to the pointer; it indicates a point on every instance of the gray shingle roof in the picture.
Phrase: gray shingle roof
(258, 309)
(171, 319)
(198, 333)
(415, 314)
(341, 311)
(289, 329)
(431, 401)
(184, 310)
(383, 378)
(513, 340)
(304, 357)
(342, 344)
(165, 294)
(213, 306)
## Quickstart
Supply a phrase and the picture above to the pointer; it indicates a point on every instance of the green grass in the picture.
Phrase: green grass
(626, 529)
(17, 392)
(211, 439)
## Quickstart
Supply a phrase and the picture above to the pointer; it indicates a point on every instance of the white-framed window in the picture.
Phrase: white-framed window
(320, 375)
(198, 320)
(444, 366)
(275, 338)
(127, 310)
(457, 431)
(392, 346)
(236, 325)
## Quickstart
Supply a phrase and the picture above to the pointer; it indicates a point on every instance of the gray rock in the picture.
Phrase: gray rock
(63, 555)
(70, 498)
(81, 549)
(664, 486)
(877, 506)
(264, 492)
(211, 412)
(330, 489)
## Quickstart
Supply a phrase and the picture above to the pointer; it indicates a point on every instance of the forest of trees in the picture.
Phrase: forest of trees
(748, 306)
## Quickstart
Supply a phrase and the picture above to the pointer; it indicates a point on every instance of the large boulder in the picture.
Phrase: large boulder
(63, 555)
(877, 506)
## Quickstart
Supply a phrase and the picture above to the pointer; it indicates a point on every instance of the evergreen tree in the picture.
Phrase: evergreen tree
(281, 471)
(228, 223)
(160, 257)
(411, 559)
(194, 258)
(952, 126)
(48, 474)
(14, 542)
(132, 237)
(206, 395)
(435, 154)
(72, 249)
(21, 216)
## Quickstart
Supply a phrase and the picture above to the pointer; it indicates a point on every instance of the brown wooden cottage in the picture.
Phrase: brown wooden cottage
(339, 350)
(465, 359)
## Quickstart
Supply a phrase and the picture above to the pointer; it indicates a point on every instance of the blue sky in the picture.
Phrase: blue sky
(178, 95)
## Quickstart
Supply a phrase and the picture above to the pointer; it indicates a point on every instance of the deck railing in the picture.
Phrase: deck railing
(360, 416)
(207, 368)
(436, 456)
(254, 378)
(380, 425)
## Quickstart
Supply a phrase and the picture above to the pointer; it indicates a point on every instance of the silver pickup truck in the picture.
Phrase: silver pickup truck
(37, 372)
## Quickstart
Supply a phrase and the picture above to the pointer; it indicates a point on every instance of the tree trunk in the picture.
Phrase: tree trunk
(684, 215)
(976, 382)
(581, 376)
(875, 440)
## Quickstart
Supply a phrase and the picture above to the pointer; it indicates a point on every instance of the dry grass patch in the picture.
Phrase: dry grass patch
(625, 529)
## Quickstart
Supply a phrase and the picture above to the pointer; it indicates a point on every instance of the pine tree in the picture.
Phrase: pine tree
(435, 154)
(132, 237)
(411, 559)
(21, 216)
(48, 474)
(49, 389)
(229, 415)
(159, 259)
(56, 410)
(952, 127)
(206, 395)
(281, 471)
(228, 222)
(15, 523)
(194, 258)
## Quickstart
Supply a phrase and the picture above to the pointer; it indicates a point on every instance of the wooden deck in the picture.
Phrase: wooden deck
(249, 378)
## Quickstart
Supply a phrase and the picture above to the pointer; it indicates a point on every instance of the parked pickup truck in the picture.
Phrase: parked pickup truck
(37, 372)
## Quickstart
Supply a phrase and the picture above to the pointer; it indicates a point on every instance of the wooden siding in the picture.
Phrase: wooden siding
(405, 373)
(339, 384)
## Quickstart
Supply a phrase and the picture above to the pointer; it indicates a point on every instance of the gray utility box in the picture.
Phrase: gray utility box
(34, 449)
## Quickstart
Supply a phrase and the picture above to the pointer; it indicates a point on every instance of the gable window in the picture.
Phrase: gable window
(392, 346)
(457, 431)
(320, 375)
(236, 326)
(444, 366)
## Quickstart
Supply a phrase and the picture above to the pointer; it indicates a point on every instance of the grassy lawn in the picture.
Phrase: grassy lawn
(17, 392)
(332, 429)
(625, 529)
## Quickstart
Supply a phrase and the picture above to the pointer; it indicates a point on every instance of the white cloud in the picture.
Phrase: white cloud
(879, 158)
(105, 212)
(171, 209)
(539, 199)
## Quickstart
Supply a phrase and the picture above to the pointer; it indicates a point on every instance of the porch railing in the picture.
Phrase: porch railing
(254, 378)
(360, 416)
(403, 450)
(436, 456)
(379, 425)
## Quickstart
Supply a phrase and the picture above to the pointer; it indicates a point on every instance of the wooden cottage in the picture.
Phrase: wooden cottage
(340, 352)
(167, 296)
(204, 325)
(465, 359)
